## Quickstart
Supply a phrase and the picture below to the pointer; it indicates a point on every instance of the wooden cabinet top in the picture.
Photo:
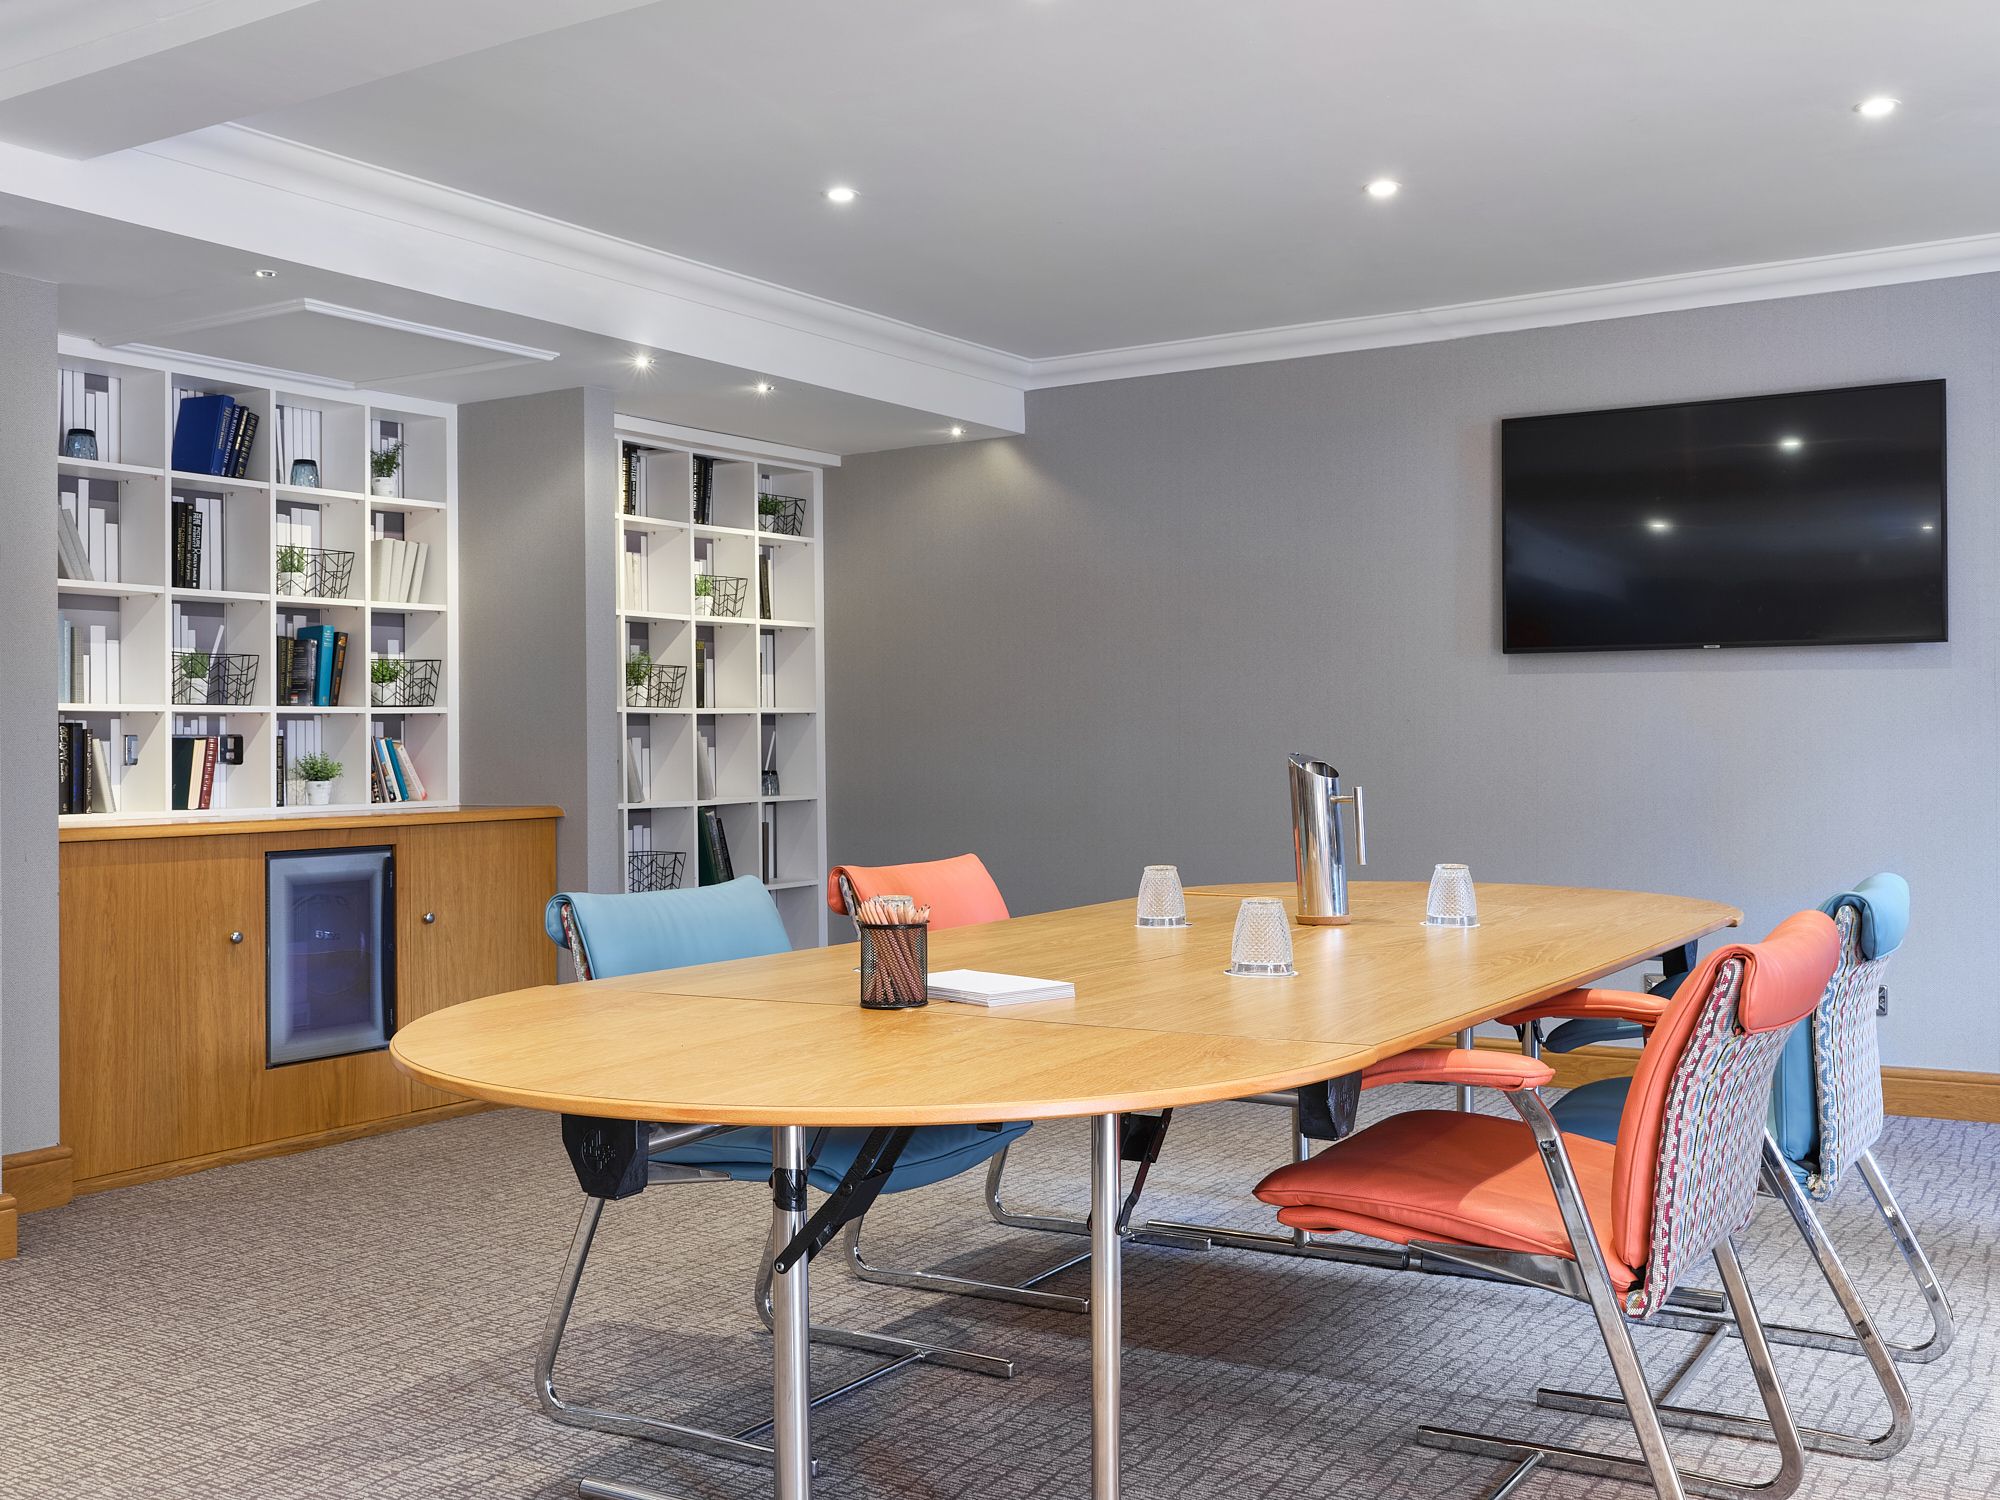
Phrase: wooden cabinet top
(198, 827)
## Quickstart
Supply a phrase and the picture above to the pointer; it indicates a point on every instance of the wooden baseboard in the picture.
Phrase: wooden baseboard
(10, 1235)
(160, 1171)
(1930, 1093)
(38, 1179)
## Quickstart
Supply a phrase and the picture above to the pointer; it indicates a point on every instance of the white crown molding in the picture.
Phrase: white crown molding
(1969, 256)
(363, 187)
(511, 353)
(233, 185)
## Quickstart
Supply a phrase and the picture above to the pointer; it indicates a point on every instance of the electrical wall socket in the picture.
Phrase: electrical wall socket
(1882, 1001)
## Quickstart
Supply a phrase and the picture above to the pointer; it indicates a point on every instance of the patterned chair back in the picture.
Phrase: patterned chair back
(1690, 1140)
(1847, 1059)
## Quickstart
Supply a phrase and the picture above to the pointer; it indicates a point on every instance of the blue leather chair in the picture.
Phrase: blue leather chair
(1825, 1117)
(608, 936)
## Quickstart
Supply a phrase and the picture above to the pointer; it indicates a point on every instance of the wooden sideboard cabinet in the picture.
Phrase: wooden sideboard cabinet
(163, 979)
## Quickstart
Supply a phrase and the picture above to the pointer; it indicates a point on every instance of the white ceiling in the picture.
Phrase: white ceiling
(1054, 176)
(129, 286)
(1051, 190)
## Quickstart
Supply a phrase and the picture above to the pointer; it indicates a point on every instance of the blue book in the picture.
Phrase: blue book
(201, 434)
(323, 673)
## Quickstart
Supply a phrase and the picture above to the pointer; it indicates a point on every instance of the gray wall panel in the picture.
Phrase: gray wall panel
(1106, 634)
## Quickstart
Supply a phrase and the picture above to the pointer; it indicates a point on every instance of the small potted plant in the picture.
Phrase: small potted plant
(291, 569)
(638, 667)
(318, 772)
(191, 677)
(383, 466)
(704, 594)
(769, 508)
(383, 673)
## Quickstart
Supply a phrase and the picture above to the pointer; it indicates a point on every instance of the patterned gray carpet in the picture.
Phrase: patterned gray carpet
(360, 1321)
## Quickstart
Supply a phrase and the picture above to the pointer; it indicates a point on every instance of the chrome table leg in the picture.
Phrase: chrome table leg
(791, 1398)
(1464, 1090)
(1106, 1308)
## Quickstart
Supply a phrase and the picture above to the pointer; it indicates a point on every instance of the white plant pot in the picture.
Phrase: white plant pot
(291, 583)
(704, 606)
(385, 486)
(765, 523)
(319, 793)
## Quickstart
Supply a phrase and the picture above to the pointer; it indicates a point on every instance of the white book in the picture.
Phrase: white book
(416, 593)
(113, 570)
(977, 987)
(107, 440)
(385, 570)
(705, 769)
(635, 782)
(94, 654)
(114, 686)
(103, 790)
(93, 544)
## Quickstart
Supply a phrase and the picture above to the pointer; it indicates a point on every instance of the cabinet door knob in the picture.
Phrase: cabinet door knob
(235, 937)
(430, 917)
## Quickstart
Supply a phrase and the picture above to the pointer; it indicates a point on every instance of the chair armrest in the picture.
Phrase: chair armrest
(1506, 1071)
(1610, 1005)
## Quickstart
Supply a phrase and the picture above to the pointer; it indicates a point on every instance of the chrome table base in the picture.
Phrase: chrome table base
(790, 1453)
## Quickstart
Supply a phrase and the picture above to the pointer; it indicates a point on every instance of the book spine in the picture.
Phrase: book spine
(62, 768)
(339, 665)
(225, 422)
(246, 437)
(323, 667)
(208, 749)
(280, 766)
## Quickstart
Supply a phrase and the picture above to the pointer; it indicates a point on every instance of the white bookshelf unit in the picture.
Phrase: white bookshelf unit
(721, 682)
(131, 639)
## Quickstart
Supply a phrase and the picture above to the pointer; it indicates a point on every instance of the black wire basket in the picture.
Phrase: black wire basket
(414, 685)
(659, 688)
(223, 679)
(726, 595)
(654, 870)
(895, 965)
(781, 515)
(323, 573)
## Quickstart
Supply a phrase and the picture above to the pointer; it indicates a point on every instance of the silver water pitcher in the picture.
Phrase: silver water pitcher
(1317, 841)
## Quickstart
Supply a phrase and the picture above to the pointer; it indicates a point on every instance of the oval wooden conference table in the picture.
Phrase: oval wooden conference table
(1156, 1023)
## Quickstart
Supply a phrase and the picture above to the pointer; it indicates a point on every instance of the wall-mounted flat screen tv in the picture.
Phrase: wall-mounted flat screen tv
(1808, 519)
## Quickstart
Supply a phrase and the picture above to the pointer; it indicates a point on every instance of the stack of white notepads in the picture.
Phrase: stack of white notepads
(977, 987)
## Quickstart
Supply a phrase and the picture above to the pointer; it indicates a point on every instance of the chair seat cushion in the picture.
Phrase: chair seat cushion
(1456, 1178)
(934, 1153)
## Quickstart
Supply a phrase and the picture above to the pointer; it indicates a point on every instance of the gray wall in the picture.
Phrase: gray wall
(1106, 635)
(538, 690)
(30, 1016)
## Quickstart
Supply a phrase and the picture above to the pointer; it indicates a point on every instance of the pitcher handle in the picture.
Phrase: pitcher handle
(1360, 829)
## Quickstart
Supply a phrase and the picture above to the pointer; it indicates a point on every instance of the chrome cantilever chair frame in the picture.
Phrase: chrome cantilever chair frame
(1779, 1182)
(740, 1445)
(1587, 1279)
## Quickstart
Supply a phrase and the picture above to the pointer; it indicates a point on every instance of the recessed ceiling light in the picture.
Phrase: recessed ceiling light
(642, 361)
(1659, 523)
(841, 194)
(1928, 526)
(1876, 107)
(958, 432)
(264, 273)
(1384, 187)
(763, 388)
(1791, 443)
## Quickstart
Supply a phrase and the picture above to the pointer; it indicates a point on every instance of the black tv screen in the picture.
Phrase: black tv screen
(1815, 518)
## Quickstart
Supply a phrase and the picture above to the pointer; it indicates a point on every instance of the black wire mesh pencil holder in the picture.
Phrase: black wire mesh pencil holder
(659, 688)
(322, 572)
(413, 682)
(895, 965)
(223, 679)
(654, 870)
(781, 515)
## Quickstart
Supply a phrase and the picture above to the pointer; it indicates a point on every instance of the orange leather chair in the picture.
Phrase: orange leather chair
(960, 892)
(1615, 1226)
